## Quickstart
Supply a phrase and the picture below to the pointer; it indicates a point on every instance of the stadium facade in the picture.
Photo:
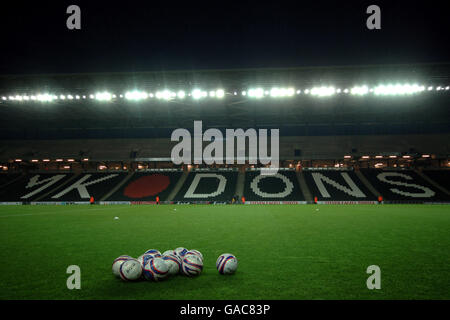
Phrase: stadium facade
(347, 135)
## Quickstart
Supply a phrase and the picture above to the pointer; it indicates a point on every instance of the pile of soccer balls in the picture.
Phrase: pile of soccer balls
(154, 266)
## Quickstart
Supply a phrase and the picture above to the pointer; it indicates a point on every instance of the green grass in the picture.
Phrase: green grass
(284, 252)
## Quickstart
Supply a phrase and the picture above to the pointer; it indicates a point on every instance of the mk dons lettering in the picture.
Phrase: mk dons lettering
(81, 187)
(34, 181)
(427, 192)
(319, 179)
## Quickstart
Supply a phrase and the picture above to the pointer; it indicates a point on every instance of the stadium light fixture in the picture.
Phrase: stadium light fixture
(406, 157)
(365, 157)
(181, 94)
(220, 93)
(70, 160)
(323, 91)
(256, 93)
(18, 160)
(136, 95)
(103, 96)
(34, 160)
(347, 157)
(85, 159)
(392, 157)
(379, 157)
(425, 156)
(59, 160)
(198, 94)
(164, 95)
(45, 160)
(359, 90)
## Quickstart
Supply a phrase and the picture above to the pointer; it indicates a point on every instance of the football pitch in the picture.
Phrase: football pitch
(284, 251)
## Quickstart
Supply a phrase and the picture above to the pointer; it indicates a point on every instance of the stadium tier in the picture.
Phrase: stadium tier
(404, 185)
(208, 186)
(441, 177)
(145, 186)
(332, 185)
(33, 186)
(283, 186)
(84, 186)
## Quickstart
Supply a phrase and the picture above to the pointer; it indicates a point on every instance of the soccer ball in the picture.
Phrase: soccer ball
(193, 251)
(145, 257)
(167, 252)
(173, 263)
(130, 270)
(155, 269)
(154, 252)
(192, 265)
(180, 251)
(226, 263)
(117, 263)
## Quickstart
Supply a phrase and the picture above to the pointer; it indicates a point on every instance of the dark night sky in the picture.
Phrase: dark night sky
(166, 35)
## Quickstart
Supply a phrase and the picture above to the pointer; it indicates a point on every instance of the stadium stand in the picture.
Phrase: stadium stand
(280, 187)
(86, 185)
(6, 178)
(209, 186)
(441, 177)
(32, 186)
(334, 185)
(403, 186)
(145, 186)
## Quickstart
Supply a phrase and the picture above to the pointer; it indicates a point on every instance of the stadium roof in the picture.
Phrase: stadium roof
(303, 114)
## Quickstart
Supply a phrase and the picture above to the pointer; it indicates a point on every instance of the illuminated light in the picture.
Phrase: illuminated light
(18, 98)
(46, 160)
(62, 97)
(438, 88)
(34, 160)
(447, 88)
(11, 98)
(345, 90)
(181, 94)
(103, 96)
(235, 93)
(4, 98)
(359, 90)
(121, 95)
(220, 93)
(70, 160)
(84, 97)
(323, 91)
(379, 164)
(166, 95)
(347, 157)
(66, 167)
(91, 96)
(425, 156)
(151, 95)
(338, 90)
(244, 93)
(406, 157)
(430, 88)
(18, 160)
(299, 91)
(136, 95)
(392, 157)
(77, 97)
(307, 91)
(197, 94)
(365, 157)
(45, 97)
(85, 159)
(212, 93)
(256, 93)
(59, 160)
(26, 98)
(379, 157)
(102, 167)
(114, 96)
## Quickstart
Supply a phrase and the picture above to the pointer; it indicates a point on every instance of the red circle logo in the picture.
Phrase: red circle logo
(147, 186)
